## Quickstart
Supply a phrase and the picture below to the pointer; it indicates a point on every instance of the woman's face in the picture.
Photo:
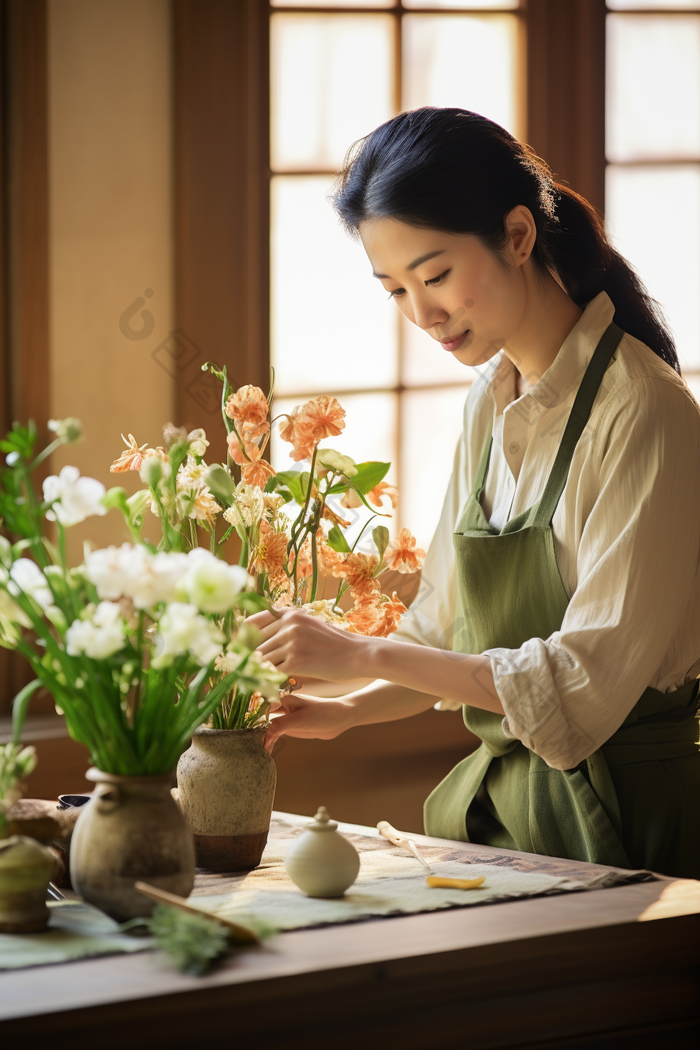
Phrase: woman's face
(452, 285)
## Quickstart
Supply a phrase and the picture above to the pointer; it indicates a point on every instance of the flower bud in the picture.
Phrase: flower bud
(152, 471)
(68, 430)
(220, 482)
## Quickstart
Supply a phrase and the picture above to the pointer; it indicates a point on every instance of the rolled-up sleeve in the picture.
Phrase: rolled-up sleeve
(637, 568)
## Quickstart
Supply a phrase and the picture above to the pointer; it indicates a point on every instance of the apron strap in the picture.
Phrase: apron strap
(576, 422)
(483, 467)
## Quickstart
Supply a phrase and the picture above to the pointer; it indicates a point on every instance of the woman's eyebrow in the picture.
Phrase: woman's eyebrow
(414, 264)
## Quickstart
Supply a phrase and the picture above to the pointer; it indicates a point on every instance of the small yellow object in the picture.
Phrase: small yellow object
(456, 884)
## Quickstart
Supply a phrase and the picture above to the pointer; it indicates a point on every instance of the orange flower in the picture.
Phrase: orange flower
(247, 405)
(253, 452)
(365, 617)
(269, 554)
(330, 515)
(402, 555)
(376, 495)
(331, 562)
(324, 416)
(131, 458)
(298, 433)
(392, 611)
(257, 473)
(358, 572)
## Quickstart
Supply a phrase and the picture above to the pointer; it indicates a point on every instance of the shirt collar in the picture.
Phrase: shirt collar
(566, 370)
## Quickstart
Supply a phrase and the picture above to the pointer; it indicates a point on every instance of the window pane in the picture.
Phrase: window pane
(371, 428)
(672, 5)
(654, 216)
(332, 326)
(333, 3)
(424, 361)
(431, 424)
(497, 5)
(331, 82)
(653, 96)
(466, 61)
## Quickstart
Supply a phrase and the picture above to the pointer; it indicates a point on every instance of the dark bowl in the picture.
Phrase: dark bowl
(72, 801)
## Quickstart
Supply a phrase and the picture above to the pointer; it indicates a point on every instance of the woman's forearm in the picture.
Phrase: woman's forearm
(382, 701)
(436, 672)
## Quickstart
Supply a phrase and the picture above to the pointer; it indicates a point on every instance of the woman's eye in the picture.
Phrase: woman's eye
(436, 280)
(397, 293)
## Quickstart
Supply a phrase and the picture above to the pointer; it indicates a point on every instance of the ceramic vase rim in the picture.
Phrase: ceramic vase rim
(99, 776)
(207, 731)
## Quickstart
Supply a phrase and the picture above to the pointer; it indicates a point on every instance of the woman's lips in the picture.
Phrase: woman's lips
(454, 344)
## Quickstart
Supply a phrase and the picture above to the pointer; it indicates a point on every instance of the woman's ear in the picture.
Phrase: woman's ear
(521, 233)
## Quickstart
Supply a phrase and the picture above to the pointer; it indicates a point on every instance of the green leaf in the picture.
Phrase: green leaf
(294, 481)
(20, 706)
(251, 602)
(380, 535)
(337, 542)
(368, 475)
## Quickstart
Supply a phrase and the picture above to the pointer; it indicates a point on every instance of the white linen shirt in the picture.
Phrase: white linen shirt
(626, 538)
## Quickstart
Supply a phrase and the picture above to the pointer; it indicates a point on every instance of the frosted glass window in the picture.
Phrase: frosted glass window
(425, 362)
(640, 5)
(371, 432)
(653, 87)
(431, 424)
(653, 214)
(496, 5)
(331, 82)
(332, 325)
(467, 61)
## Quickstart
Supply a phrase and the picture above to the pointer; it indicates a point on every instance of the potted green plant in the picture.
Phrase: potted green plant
(128, 644)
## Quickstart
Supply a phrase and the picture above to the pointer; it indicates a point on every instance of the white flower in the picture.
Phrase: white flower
(265, 676)
(248, 506)
(11, 616)
(131, 571)
(229, 660)
(210, 583)
(198, 442)
(99, 637)
(190, 476)
(74, 498)
(181, 629)
(27, 577)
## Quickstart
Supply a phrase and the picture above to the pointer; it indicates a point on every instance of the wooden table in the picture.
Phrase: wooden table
(606, 968)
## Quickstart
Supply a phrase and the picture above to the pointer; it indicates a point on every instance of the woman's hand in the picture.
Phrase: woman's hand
(308, 717)
(300, 644)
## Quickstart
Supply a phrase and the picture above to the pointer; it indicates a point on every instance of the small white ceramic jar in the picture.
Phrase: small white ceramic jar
(322, 862)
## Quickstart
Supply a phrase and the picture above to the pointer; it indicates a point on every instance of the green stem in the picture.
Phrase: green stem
(314, 563)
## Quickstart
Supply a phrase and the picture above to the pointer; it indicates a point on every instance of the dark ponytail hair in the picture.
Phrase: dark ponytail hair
(453, 170)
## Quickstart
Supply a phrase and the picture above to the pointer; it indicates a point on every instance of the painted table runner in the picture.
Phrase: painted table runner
(391, 882)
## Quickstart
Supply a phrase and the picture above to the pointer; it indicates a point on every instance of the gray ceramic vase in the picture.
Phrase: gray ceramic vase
(227, 784)
(131, 829)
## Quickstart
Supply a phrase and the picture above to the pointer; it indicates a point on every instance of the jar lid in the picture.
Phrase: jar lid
(322, 821)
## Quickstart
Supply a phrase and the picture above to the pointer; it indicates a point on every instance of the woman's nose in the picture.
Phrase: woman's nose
(427, 313)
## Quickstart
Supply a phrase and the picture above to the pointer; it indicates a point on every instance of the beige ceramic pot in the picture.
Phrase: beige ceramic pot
(132, 829)
(227, 786)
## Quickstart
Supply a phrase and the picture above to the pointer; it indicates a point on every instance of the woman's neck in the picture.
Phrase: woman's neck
(548, 318)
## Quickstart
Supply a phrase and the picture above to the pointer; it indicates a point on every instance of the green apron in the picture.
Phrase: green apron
(632, 803)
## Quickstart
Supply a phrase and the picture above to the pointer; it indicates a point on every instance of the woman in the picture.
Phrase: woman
(560, 600)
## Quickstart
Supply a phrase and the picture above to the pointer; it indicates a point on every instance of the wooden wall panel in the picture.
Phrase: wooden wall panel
(221, 179)
(24, 329)
(566, 91)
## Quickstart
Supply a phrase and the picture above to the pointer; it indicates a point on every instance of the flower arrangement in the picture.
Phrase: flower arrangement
(129, 641)
(289, 523)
